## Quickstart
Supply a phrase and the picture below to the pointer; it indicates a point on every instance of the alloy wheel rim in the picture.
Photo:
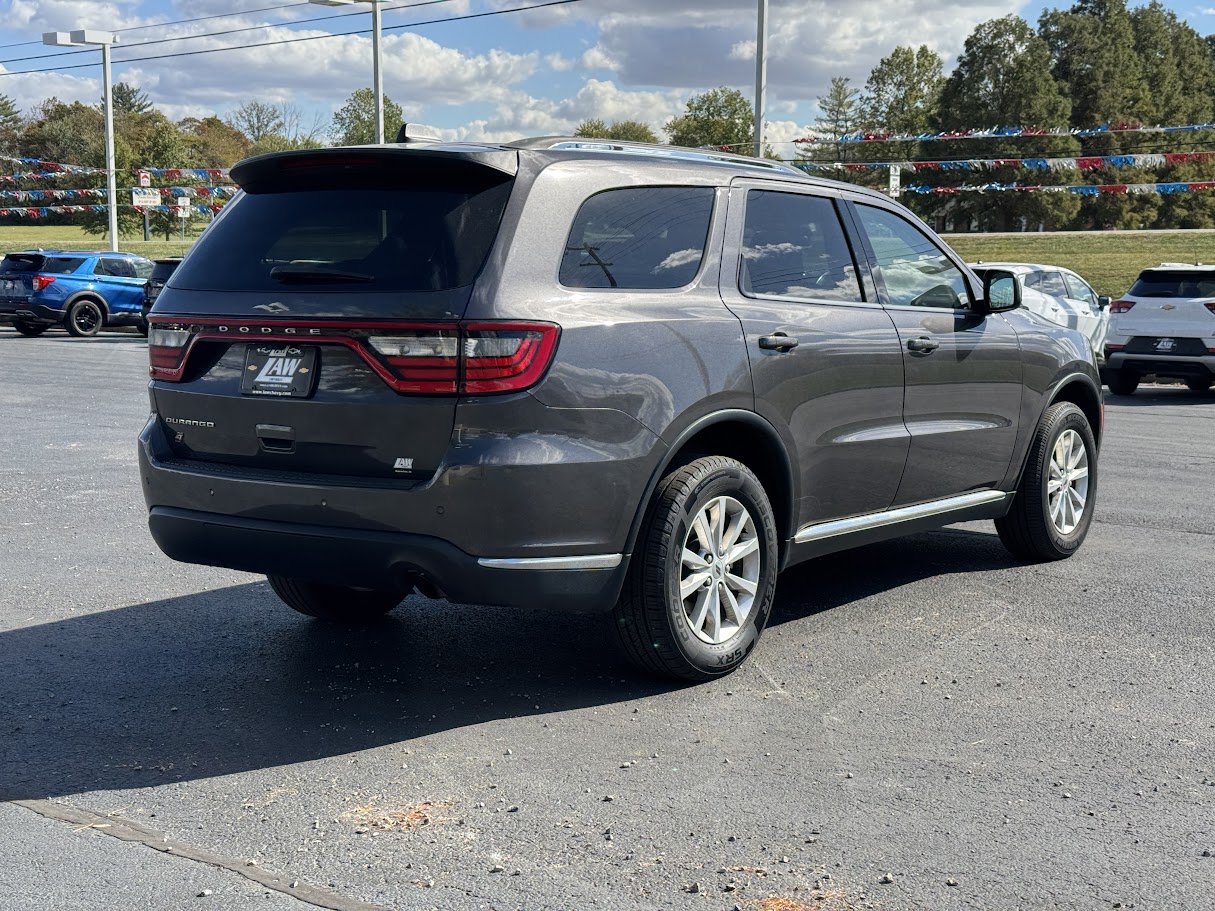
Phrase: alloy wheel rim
(86, 318)
(1067, 482)
(719, 570)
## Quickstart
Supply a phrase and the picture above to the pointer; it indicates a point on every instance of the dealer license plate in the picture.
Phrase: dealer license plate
(281, 369)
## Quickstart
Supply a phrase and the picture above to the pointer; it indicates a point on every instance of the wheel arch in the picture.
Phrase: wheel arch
(87, 294)
(741, 435)
(1083, 392)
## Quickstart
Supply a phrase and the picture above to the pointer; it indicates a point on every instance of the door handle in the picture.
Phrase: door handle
(777, 341)
(923, 344)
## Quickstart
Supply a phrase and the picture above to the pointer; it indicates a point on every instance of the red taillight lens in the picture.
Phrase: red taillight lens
(435, 359)
(167, 348)
(421, 360)
(506, 357)
(1121, 306)
(1210, 307)
(41, 281)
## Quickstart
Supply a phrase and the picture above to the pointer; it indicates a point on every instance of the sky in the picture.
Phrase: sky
(501, 76)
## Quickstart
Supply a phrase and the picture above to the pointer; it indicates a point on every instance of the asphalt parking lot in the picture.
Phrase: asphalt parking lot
(927, 725)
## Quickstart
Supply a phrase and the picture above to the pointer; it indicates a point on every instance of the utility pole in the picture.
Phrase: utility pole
(761, 77)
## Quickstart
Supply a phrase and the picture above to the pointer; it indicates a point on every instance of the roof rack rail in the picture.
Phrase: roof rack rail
(678, 153)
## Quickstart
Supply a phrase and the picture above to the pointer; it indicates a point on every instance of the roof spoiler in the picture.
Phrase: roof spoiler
(411, 132)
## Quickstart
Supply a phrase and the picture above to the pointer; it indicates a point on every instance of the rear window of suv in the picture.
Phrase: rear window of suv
(638, 238)
(37, 262)
(409, 234)
(1174, 283)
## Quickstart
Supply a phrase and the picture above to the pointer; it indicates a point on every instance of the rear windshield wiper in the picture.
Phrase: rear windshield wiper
(304, 274)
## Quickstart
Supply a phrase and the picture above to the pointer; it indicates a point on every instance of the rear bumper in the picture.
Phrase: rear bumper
(390, 561)
(1160, 364)
(12, 310)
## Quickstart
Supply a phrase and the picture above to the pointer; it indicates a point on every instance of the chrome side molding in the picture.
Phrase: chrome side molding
(816, 532)
(591, 561)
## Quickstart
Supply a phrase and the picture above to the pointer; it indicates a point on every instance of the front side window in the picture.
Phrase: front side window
(638, 238)
(915, 271)
(794, 246)
(1079, 290)
(142, 267)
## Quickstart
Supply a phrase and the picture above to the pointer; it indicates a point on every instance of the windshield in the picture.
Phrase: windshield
(423, 238)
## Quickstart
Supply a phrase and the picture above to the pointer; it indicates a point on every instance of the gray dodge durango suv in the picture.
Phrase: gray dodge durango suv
(593, 376)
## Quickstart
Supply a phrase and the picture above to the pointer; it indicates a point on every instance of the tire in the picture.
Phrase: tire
(1122, 382)
(704, 637)
(84, 319)
(333, 602)
(1199, 383)
(30, 330)
(1037, 528)
(142, 327)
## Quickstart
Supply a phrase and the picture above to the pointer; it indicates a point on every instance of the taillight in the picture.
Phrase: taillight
(472, 358)
(422, 360)
(41, 281)
(166, 351)
(505, 357)
(1210, 307)
(1121, 306)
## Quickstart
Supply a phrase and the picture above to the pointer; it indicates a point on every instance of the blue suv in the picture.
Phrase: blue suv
(82, 291)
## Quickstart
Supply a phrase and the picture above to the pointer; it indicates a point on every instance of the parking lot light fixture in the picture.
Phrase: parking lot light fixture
(377, 72)
(103, 40)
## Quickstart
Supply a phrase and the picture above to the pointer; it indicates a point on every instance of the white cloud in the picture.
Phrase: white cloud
(742, 50)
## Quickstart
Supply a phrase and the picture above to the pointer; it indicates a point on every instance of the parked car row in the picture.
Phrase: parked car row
(80, 291)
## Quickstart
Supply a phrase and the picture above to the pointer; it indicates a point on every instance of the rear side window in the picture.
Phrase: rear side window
(418, 232)
(1161, 283)
(638, 238)
(22, 262)
(794, 246)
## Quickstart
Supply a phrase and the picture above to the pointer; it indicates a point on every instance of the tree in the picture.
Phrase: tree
(1093, 55)
(1175, 65)
(128, 99)
(10, 126)
(901, 95)
(164, 146)
(211, 143)
(257, 120)
(354, 122)
(1003, 79)
(840, 108)
(622, 130)
(721, 117)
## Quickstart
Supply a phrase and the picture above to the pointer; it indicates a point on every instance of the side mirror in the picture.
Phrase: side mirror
(1103, 302)
(1000, 291)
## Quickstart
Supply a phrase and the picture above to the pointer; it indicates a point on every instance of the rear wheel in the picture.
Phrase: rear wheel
(30, 330)
(334, 602)
(1199, 383)
(703, 575)
(85, 319)
(1122, 382)
(142, 327)
(1053, 508)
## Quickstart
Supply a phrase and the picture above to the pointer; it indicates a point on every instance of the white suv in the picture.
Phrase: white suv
(1060, 296)
(1165, 325)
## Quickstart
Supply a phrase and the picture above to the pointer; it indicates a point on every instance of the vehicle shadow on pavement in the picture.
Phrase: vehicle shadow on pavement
(231, 680)
(1147, 397)
(838, 579)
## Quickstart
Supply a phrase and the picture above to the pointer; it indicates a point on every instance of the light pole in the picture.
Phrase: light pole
(761, 76)
(104, 40)
(377, 73)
